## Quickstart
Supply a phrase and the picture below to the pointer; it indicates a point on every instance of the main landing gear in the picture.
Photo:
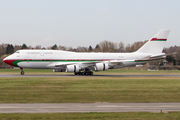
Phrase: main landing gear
(22, 72)
(83, 73)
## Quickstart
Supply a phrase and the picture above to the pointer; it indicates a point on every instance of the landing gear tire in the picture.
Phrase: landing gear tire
(83, 73)
(76, 73)
(87, 73)
(22, 72)
(91, 73)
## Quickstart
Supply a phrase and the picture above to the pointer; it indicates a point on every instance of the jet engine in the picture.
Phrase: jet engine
(72, 68)
(101, 66)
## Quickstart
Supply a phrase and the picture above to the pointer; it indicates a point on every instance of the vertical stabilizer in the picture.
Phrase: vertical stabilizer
(156, 43)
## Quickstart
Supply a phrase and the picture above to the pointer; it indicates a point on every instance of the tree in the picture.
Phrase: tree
(9, 49)
(17, 47)
(54, 47)
(2, 49)
(43, 48)
(170, 58)
(24, 46)
(62, 47)
(38, 47)
(97, 48)
(81, 49)
(136, 45)
(128, 48)
(108, 46)
(90, 48)
(121, 47)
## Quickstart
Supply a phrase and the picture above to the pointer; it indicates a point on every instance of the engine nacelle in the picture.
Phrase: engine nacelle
(72, 68)
(101, 66)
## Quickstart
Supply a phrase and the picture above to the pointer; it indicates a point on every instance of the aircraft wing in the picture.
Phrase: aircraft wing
(111, 63)
(63, 65)
(151, 58)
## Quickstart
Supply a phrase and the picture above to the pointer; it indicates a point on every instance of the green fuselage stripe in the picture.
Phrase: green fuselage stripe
(159, 40)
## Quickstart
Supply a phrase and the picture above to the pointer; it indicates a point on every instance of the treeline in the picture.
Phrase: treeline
(174, 54)
(104, 46)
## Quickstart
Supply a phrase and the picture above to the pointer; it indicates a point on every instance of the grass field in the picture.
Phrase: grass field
(93, 116)
(89, 90)
(112, 71)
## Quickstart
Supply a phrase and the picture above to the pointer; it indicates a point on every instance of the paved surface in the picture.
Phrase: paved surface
(88, 107)
(72, 75)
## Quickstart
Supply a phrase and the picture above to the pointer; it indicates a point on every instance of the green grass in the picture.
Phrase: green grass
(93, 116)
(89, 90)
(112, 71)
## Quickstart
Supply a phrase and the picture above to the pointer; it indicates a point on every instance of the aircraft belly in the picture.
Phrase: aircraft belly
(33, 64)
(129, 63)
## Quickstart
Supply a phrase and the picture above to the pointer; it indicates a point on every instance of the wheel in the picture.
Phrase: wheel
(22, 72)
(87, 73)
(91, 73)
(76, 73)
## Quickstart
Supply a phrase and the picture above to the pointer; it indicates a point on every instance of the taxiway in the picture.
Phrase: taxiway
(95, 75)
(88, 107)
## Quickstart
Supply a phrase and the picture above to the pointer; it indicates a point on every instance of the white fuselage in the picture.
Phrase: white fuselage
(51, 59)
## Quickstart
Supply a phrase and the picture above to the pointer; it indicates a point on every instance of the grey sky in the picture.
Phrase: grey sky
(87, 22)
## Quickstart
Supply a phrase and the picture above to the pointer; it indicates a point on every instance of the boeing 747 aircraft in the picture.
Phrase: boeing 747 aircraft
(86, 63)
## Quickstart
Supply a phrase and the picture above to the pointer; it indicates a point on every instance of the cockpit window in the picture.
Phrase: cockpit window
(17, 52)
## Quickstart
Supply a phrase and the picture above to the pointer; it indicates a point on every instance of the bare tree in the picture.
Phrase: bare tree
(81, 49)
(62, 47)
(136, 45)
(3, 49)
(128, 48)
(17, 47)
(121, 47)
(71, 49)
(38, 47)
(108, 46)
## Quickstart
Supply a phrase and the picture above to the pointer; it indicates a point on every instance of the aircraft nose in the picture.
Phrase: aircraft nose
(8, 60)
(5, 60)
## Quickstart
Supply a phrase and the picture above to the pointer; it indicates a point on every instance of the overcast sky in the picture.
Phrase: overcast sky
(87, 22)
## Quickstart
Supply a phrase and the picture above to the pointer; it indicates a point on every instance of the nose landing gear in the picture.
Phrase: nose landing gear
(22, 72)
